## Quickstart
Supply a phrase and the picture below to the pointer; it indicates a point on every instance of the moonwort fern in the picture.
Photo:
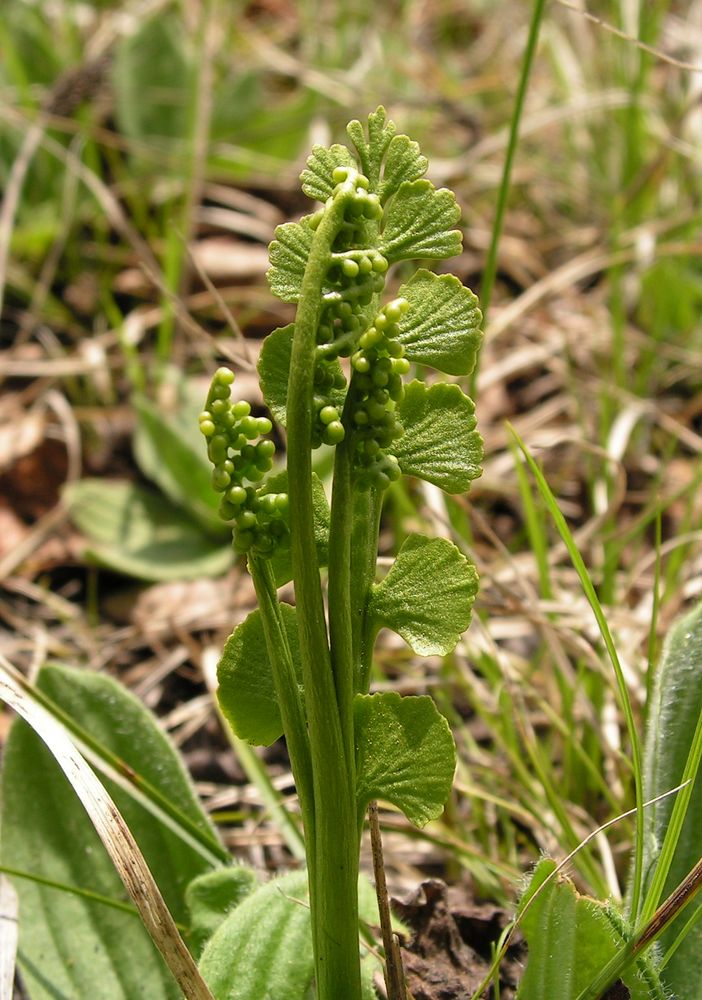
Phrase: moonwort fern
(305, 671)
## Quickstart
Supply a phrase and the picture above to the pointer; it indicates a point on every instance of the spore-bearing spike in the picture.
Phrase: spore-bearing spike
(378, 365)
(230, 430)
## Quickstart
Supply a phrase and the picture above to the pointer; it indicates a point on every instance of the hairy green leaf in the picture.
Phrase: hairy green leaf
(570, 938)
(317, 181)
(137, 532)
(405, 754)
(274, 373)
(440, 443)
(150, 78)
(246, 691)
(403, 162)
(427, 596)
(212, 896)
(288, 254)
(177, 463)
(371, 152)
(441, 328)
(420, 223)
(70, 945)
(263, 950)
(676, 706)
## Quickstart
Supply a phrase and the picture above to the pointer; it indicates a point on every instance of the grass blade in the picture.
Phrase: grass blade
(593, 600)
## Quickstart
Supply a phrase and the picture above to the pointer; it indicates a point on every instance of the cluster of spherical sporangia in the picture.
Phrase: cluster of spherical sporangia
(378, 366)
(258, 517)
(354, 278)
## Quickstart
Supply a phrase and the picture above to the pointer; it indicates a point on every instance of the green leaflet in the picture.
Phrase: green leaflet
(440, 443)
(570, 938)
(420, 222)
(397, 157)
(72, 947)
(274, 373)
(405, 754)
(316, 178)
(427, 596)
(263, 950)
(246, 691)
(211, 897)
(137, 532)
(673, 719)
(403, 163)
(441, 328)
(371, 153)
(288, 255)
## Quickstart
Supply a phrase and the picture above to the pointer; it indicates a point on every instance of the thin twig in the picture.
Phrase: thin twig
(394, 974)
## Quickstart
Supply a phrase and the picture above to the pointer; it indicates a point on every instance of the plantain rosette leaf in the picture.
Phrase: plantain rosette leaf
(405, 754)
(427, 596)
(440, 443)
(262, 950)
(212, 896)
(246, 692)
(584, 933)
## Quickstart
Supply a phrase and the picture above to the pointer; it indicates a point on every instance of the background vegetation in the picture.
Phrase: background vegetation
(147, 151)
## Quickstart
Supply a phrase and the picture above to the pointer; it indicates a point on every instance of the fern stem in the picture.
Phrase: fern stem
(333, 853)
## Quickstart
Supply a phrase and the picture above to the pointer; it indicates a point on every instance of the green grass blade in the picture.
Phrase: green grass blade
(591, 594)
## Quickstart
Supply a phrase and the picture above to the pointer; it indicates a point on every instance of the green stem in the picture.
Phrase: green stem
(286, 687)
(333, 857)
(365, 553)
(340, 623)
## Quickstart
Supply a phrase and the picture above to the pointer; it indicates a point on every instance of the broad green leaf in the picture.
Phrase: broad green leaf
(263, 950)
(570, 938)
(372, 152)
(274, 373)
(676, 707)
(169, 458)
(420, 223)
(151, 80)
(441, 328)
(405, 754)
(288, 255)
(70, 946)
(212, 896)
(403, 162)
(317, 182)
(137, 532)
(427, 596)
(281, 561)
(440, 443)
(246, 691)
